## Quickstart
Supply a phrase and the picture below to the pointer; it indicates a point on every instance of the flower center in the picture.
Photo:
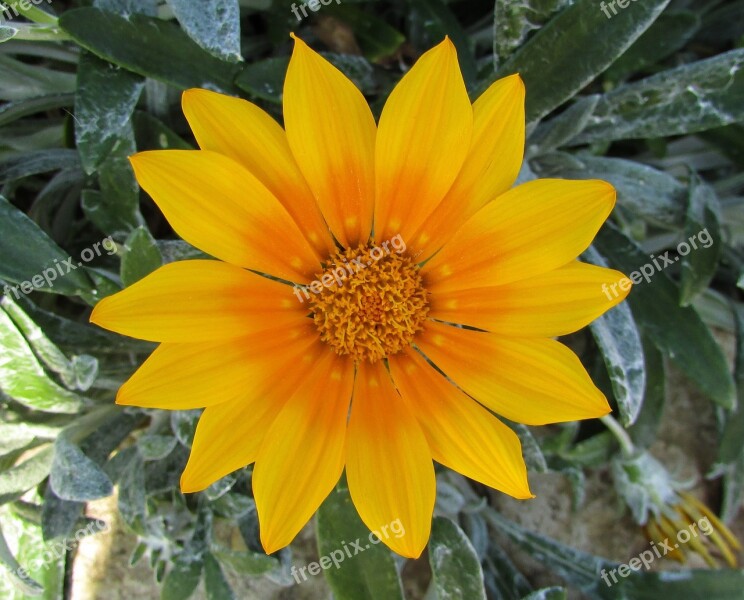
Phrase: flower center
(372, 303)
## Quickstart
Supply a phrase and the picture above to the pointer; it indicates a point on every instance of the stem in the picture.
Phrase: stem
(620, 434)
(39, 33)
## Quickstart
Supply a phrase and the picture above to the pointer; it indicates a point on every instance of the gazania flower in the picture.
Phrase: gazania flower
(374, 373)
(676, 523)
(689, 527)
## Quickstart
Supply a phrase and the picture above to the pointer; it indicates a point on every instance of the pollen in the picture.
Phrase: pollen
(372, 304)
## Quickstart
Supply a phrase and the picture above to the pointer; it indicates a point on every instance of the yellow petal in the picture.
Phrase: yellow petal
(214, 203)
(331, 131)
(423, 139)
(303, 451)
(531, 381)
(462, 435)
(491, 166)
(199, 301)
(229, 435)
(247, 134)
(388, 463)
(186, 376)
(531, 229)
(555, 303)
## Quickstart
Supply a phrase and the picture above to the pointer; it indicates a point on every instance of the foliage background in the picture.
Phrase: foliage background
(651, 100)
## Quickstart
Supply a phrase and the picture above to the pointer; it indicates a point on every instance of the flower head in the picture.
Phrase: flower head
(434, 289)
(704, 533)
(671, 518)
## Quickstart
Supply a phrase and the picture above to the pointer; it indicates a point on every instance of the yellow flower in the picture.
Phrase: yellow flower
(703, 532)
(354, 386)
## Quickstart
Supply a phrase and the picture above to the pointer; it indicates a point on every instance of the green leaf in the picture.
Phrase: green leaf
(733, 490)
(31, 11)
(213, 24)
(75, 477)
(18, 574)
(132, 498)
(20, 478)
(572, 49)
(439, 21)
(141, 256)
(76, 373)
(44, 562)
(503, 580)
(105, 99)
(152, 134)
(670, 32)
(643, 431)
(677, 331)
(28, 257)
(7, 33)
(129, 7)
(531, 451)
(619, 342)
(183, 424)
(730, 448)
(513, 22)
(376, 38)
(721, 584)
(175, 250)
(265, 79)
(695, 97)
(33, 163)
(74, 337)
(214, 580)
(454, 563)
(701, 228)
(183, 578)
(367, 575)
(246, 563)
(155, 447)
(59, 518)
(553, 593)
(22, 81)
(579, 568)
(22, 377)
(150, 47)
(562, 129)
(13, 111)
(119, 212)
(592, 452)
(17, 436)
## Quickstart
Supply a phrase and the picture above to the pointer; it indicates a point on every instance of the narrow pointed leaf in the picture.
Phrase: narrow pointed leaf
(695, 97)
(581, 42)
(618, 339)
(677, 331)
